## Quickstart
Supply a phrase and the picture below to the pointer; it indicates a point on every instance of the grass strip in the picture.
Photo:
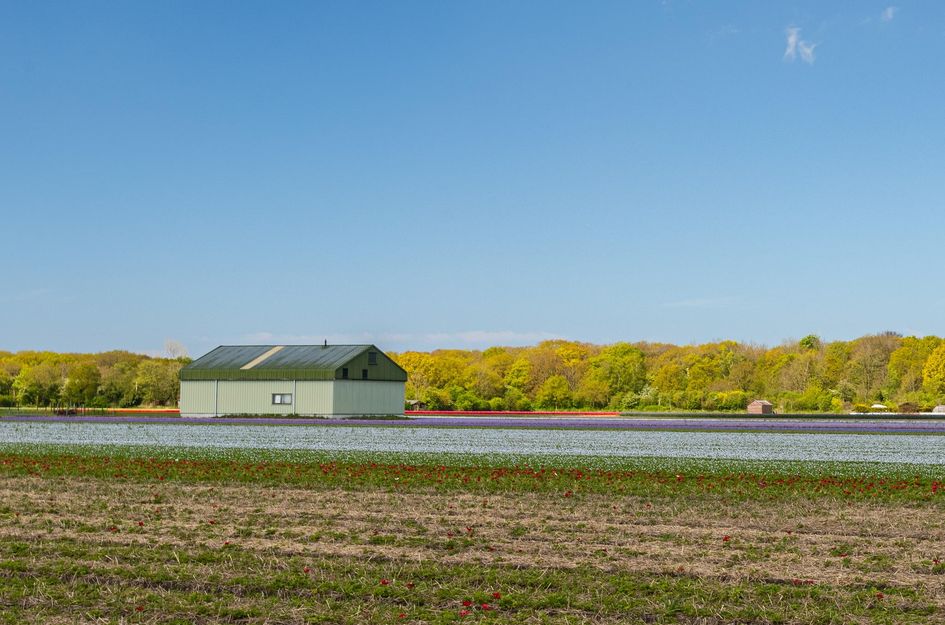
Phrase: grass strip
(69, 580)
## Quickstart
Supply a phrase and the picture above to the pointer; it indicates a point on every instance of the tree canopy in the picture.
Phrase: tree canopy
(808, 374)
(108, 379)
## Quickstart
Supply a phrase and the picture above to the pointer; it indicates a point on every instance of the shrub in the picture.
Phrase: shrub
(99, 402)
(468, 400)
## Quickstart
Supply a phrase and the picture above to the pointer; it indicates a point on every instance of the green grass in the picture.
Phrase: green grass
(161, 584)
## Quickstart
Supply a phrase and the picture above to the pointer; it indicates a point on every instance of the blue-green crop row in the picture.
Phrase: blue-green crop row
(584, 445)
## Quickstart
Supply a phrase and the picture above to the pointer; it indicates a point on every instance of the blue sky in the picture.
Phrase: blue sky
(448, 174)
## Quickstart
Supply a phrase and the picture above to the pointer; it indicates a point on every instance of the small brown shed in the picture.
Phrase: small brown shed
(760, 406)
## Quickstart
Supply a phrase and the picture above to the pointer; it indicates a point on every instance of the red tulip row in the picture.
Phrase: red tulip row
(567, 482)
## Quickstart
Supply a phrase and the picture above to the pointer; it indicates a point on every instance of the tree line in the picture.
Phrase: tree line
(116, 379)
(905, 373)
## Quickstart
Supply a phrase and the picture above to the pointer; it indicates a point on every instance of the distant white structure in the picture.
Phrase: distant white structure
(939, 409)
(879, 407)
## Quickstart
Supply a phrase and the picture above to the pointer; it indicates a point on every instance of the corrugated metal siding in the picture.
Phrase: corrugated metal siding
(368, 398)
(385, 369)
(196, 398)
(315, 398)
(321, 398)
(253, 397)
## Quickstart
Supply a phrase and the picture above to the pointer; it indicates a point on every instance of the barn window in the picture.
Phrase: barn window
(282, 398)
(344, 373)
(364, 374)
(372, 358)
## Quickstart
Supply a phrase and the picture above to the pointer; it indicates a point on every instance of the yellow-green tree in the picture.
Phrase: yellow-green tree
(158, 382)
(82, 384)
(38, 385)
(906, 364)
(933, 374)
(554, 394)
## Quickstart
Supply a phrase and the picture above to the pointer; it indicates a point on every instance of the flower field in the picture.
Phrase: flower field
(672, 477)
(151, 533)
(591, 443)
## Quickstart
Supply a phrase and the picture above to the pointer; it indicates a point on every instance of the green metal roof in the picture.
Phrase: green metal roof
(286, 362)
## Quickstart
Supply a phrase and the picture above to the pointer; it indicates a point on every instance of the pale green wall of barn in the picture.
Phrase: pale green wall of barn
(196, 398)
(253, 397)
(322, 398)
(368, 398)
(315, 397)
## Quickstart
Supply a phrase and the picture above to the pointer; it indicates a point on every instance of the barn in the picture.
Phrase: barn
(305, 380)
(760, 406)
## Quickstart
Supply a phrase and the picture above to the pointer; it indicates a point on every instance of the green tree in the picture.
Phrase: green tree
(742, 375)
(554, 394)
(836, 359)
(811, 342)
(519, 375)
(6, 388)
(907, 362)
(158, 382)
(118, 387)
(448, 367)
(516, 400)
(420, 368)
(437, 399)
(701, 373)
(933, 374)
(82, 384)
(38, 385)
(869, 361)
(669, 378)
(483, 380)
(544, 362)
(573, 357)
(498, 360)
(593, 390)
(800, 372)
(622, 366)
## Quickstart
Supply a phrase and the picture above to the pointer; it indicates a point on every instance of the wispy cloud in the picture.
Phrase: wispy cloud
(406, 340)
(793, 34)
(807, 51)
(795, 46)
(889, 13)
